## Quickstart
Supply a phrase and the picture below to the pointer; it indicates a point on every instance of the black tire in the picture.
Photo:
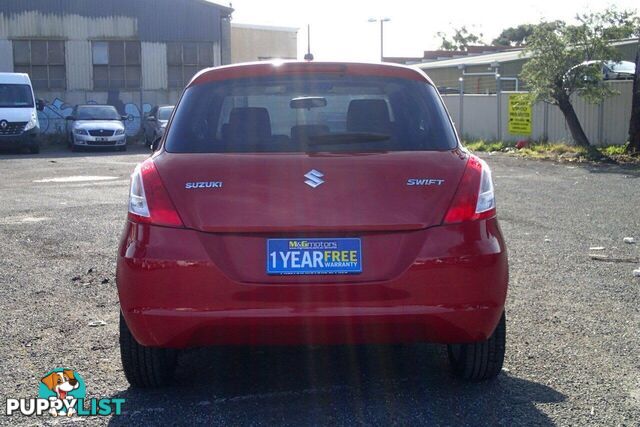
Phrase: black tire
(123, 148)
(145, 367)
(482, 360)
(34, 149)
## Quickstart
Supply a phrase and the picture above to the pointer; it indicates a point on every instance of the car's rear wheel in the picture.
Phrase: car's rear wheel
(145, 366)
(480, 360)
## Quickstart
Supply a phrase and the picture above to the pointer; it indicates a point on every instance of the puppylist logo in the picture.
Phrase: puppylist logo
(62, 392)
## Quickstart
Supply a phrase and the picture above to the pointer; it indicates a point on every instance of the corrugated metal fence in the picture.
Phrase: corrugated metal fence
(605, 123)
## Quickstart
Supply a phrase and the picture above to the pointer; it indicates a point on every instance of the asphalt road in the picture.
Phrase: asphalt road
(573, 322)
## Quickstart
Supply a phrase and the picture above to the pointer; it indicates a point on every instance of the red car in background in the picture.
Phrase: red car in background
(305, 203)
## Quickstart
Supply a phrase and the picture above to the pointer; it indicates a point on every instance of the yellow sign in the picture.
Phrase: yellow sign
(520, 114)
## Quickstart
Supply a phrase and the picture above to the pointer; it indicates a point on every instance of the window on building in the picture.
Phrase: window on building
(116, 65)
(185, 60)
(43, 60)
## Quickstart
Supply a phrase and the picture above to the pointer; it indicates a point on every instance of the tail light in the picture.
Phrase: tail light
(149, 201)
(474, 198)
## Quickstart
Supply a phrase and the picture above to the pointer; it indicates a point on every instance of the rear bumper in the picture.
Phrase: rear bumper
(23, 140)
(173, 295)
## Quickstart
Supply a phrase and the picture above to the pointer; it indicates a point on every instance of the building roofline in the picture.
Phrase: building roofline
(508, 55)
(265, 27)
(227, 9)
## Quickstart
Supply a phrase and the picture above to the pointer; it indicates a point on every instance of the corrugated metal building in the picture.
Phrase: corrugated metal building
(446, 73)
(129, 53)
(261, 43)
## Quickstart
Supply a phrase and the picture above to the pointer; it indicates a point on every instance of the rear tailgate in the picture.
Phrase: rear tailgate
(239, 201)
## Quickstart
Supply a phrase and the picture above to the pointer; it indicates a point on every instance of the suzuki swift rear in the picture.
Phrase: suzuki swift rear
(311, 203)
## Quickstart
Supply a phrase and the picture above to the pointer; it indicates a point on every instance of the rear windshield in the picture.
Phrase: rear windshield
(98, 112)
(15, 96)
(334, 113)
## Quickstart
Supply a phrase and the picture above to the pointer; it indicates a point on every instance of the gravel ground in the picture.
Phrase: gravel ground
(573, 322)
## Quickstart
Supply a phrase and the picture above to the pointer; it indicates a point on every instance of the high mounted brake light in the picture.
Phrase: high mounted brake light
(149, 202)
(474, 198)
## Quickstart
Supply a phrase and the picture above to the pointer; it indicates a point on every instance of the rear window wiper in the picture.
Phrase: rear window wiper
(347, 138)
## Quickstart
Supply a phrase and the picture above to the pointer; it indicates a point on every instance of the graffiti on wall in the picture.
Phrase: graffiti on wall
(53, 118)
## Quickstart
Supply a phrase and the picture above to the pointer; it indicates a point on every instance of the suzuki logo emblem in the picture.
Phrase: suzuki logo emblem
(3, 124)
(314, 178)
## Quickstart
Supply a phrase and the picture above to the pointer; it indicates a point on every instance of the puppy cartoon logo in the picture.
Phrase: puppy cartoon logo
(62, 392)
(63, 387)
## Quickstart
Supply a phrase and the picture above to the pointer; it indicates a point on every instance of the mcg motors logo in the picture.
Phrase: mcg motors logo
(62, 392)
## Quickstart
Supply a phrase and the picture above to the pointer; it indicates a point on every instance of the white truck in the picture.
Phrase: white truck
(19, 125)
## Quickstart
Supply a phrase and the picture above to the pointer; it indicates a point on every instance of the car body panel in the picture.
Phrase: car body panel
(274, 68)
(13, 135)
(26, 139)
(358, 183)
(174, 295)
(348, 202)
(98, 124)
(152, 126)
(206, 283)
(100, 133)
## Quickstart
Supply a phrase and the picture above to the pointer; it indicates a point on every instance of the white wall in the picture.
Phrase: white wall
(6, 56)
(154, 65)
(79, 64)
(606, 123)
(253, 43)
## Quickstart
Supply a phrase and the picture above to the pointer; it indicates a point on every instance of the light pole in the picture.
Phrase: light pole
(382, 21)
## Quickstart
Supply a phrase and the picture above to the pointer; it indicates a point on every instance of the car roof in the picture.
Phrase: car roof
(15, 78)
(274, 68)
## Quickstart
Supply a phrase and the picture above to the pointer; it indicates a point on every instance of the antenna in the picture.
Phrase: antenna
(308, 56)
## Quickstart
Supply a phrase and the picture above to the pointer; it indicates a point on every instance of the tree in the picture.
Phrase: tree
(568, 60)
(518, 36)
(460, 40)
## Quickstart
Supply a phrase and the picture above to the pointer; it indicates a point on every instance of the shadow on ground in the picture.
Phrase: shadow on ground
(333, 385)
(61, 151)
(629, 170)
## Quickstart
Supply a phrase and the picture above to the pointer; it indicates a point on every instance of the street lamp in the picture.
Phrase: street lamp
(382, 21)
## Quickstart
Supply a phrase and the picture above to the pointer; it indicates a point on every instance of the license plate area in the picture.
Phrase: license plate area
(314, 256)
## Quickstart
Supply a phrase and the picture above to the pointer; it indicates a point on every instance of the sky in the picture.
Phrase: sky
(340, 31)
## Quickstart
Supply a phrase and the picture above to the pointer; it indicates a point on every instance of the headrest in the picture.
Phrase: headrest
(368, 115)
(249, 123)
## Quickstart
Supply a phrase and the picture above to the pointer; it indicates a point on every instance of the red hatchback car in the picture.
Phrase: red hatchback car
(304, 203)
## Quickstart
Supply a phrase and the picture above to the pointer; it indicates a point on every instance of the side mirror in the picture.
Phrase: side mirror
(151, 118)
(124, 117)
(70, 118)
(40, 104)
(155, 144)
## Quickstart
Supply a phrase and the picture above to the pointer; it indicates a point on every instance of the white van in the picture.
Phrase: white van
(19, 125)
